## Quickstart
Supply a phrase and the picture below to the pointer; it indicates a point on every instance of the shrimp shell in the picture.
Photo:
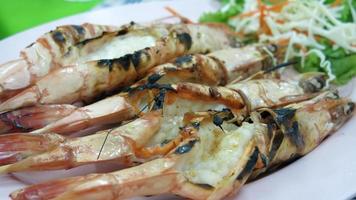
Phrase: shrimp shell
(85, 81)
(51, 51)
(173, 173)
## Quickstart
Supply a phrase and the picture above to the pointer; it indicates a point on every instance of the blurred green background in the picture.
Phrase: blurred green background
(18, 15)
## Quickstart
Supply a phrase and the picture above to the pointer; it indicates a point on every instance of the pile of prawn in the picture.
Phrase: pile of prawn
(182, 107)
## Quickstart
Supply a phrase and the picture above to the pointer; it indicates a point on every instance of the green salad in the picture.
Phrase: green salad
(321, 35)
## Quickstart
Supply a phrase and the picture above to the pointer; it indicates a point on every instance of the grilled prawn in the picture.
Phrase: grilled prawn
(120, 107)
(216, 68)
(60, 47)
(84, 81)
(110, 109)
(217, 158)
(174, 104)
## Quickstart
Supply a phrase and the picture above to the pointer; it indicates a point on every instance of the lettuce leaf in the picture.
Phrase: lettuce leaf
(346, 15)
(234, 7)
(343, 64)
(344, 68)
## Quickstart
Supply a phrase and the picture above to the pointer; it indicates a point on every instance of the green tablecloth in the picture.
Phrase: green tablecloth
(18, 15)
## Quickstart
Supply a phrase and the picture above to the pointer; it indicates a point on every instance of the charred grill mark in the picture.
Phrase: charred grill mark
(264, 159)
(151, 83)
(185, 39)
(139, 56)
(84, 42)
(284, 114)
(79, 29)
(106, 63)
(276, 143)
(58, 37)
(294, 134)
(149, 86)
(136, 57)
(284, 119)
(123, 31)
(250, 165)
(154, 78)
(185, 148)
(180, 61)
(159, 100)
(124, 61)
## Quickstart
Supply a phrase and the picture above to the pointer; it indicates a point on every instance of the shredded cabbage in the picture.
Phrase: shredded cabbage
(306, 24)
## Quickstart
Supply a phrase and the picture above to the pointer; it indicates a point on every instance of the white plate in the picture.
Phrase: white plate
(329, 172)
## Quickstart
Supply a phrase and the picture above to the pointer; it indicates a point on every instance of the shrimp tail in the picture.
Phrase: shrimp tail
(157, 177)
(121, 144)
(18, 146)
(47, 190)
(110, 110)
(31, 118)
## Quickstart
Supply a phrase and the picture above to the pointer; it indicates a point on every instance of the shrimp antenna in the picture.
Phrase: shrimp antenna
(280, 66)
(183, 19)
(102, 146)
(146, 106)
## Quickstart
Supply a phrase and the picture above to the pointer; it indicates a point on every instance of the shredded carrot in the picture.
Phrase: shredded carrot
(336, 3)
(181, 17)
(164, 18)
(186, 20)
(276, 8)
(283, 41)
(263, 24)
(246, 14)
